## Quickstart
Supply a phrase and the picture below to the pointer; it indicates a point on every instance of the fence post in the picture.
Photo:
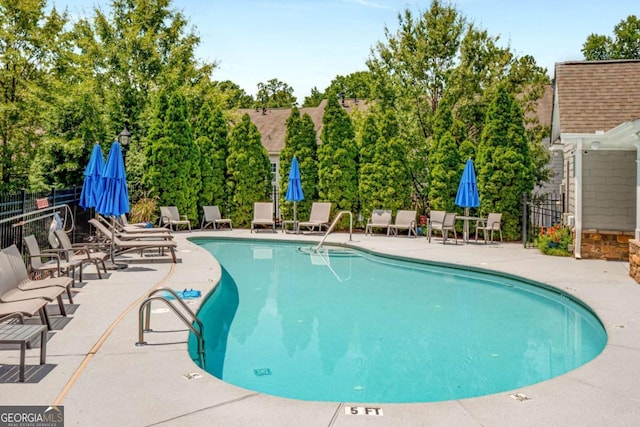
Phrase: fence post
(23, 211)
(524, 220)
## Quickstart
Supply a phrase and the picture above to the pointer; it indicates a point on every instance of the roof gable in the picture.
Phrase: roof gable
(596, 95)
(272, 122)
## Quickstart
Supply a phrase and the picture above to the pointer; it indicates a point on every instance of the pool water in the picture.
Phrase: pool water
(353, 327)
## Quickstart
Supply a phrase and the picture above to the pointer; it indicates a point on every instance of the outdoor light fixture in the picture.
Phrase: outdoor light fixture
(595, 145)
(124, 137)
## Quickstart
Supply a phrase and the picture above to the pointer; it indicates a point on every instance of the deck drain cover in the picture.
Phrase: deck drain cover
(520, 397)
(260, 372)
(192, 376)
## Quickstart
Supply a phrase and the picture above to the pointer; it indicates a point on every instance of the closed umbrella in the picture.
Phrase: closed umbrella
(294, 188)
(467, 196)
(114, 200)
(92, 185)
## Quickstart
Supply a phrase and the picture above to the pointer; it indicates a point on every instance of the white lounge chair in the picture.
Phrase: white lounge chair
(405, 220)
(319, 217)
(86, 253)
(213, 218)
(53, 266)
(12, 272)
(263, 215)
(442, 222)
(380, 218)
(493, 223)
(141, 244)
(169, 216)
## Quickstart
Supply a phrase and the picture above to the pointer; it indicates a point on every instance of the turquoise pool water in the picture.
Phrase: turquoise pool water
(354, 327)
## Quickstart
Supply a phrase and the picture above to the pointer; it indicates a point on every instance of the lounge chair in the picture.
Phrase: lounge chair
(442, 222)
(405, 220)
(213, 218)
(493, 223)
(165, 234)
(318, 217)
(10, 292)
(21, 275)
(122, 246)
(27, 308)
(380, 218)
(263, 215)
(86, 253)
(54, 266)
(169, 216)
(123, 225)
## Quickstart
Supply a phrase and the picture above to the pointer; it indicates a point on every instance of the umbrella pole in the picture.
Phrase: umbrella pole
(466, 226)
(295, 216)
(112, 247)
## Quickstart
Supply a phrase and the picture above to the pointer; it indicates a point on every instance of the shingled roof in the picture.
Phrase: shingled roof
(544, 106)
(272, 122)
(596, 95)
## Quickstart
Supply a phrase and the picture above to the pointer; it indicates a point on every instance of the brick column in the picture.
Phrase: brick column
(634, 259)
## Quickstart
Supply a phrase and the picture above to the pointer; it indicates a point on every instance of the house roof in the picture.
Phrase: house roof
(596, 96)
(544, 106)
(272, 122)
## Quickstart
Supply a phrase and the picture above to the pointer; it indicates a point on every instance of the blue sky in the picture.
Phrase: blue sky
(306, 43)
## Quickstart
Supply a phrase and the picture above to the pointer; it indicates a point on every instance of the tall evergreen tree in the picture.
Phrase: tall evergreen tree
(173, 164)
(248, 171)
(503, 162)
(368, 189)
(394, 180)
(337, 167)
(444, 161)
(139, 48)
(290, 141)
(300, 141)
(307, 153)
(211, 134)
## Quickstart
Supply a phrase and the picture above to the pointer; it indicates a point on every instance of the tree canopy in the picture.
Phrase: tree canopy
(625, 43)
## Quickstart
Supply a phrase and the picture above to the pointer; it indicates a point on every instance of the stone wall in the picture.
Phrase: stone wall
(634, 259)
(606, 245)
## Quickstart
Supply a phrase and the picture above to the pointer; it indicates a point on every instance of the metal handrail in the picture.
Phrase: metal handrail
(144, 318)
(39, 214)
(333, 224)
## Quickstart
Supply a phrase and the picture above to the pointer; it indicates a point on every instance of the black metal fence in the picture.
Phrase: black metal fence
(23, 213)
(541, 211)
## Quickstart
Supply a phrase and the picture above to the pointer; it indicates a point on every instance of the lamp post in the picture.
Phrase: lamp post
(124, 138)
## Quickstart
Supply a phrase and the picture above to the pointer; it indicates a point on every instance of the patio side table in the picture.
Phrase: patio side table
(23, 334)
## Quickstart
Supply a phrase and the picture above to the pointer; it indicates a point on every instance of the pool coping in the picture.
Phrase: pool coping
(148, 387)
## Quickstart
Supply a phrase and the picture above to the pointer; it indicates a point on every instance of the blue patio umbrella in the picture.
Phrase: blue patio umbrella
(467, 196)
(114, 200)
(92, 185)
(294, 188)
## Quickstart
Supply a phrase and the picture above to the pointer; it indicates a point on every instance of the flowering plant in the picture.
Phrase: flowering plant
(555, 240)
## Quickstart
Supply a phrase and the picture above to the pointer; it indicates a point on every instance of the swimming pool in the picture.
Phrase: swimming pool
(351, 326)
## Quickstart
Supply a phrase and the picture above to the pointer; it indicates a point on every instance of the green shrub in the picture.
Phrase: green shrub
(144, 210)
(556, 240)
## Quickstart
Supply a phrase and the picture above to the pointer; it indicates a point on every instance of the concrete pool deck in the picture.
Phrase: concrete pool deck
(101, 378)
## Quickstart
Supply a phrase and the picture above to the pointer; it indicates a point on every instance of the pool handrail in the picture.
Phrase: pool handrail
(144, 318)
(333, 224)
